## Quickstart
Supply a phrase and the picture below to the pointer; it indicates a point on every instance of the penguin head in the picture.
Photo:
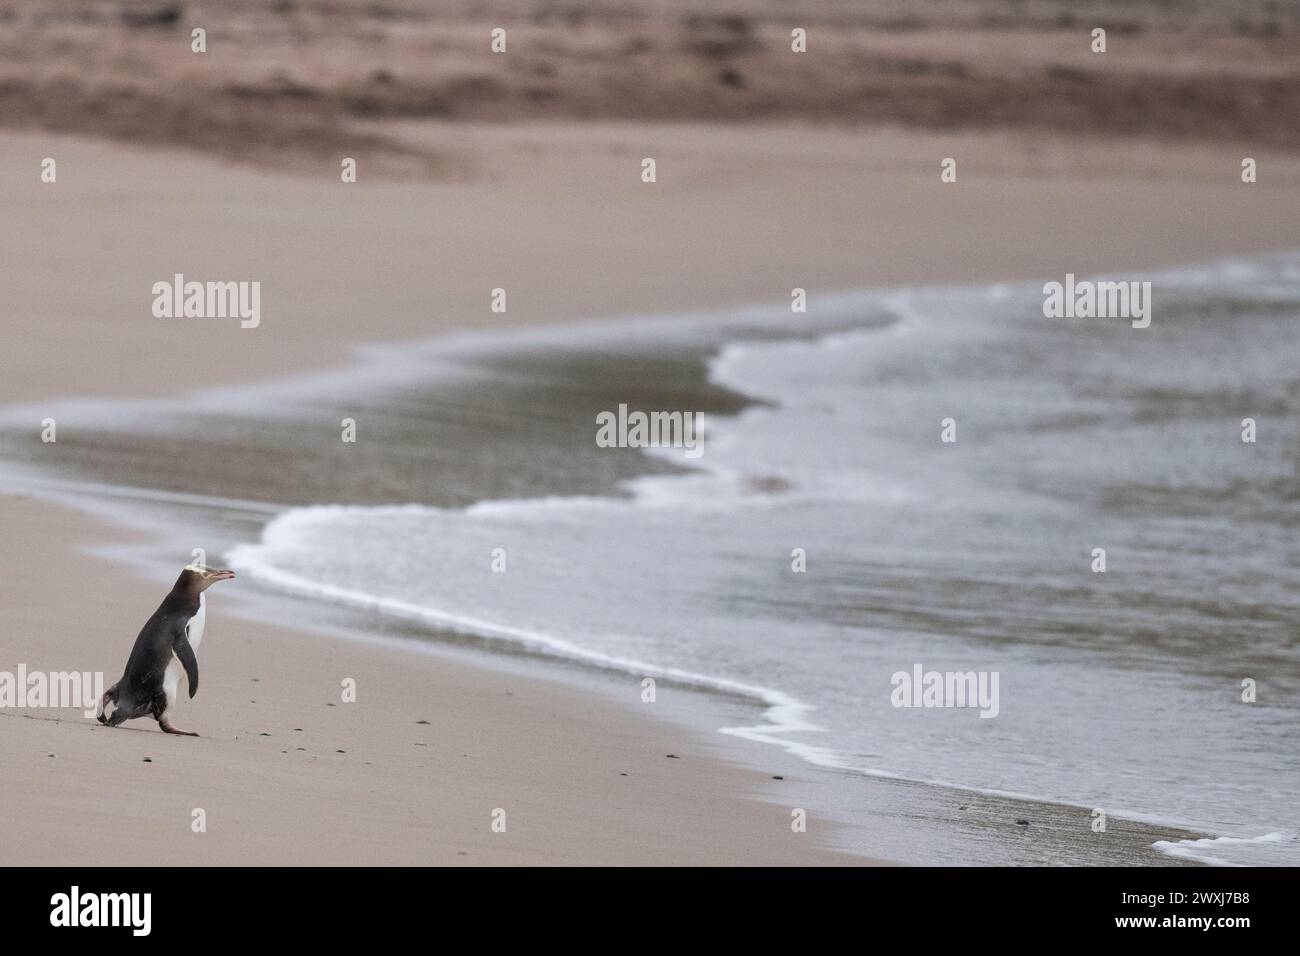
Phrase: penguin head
(110, 715)
(197, 578)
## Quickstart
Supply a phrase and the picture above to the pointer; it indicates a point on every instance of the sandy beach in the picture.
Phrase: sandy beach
(409, 774)
(769, 178)
(557, 215)
(383, 786)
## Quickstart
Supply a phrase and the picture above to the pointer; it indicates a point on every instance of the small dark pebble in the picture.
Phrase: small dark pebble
(340, 751)
(777, 776)
(673, 757)
(299, 729)
(425, 722)
(622, 775)
(963, 808)
(264, 734)
(329, 705)
(1022, 823)
(421, 745)
(300, 748)
(148, 759)
(51, 755)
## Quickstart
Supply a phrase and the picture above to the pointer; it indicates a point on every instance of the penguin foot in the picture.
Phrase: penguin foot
(169, 729)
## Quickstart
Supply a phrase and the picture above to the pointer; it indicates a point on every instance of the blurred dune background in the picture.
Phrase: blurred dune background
(282, 81)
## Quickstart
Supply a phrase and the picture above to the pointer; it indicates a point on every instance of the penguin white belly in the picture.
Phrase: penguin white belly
(175, 669)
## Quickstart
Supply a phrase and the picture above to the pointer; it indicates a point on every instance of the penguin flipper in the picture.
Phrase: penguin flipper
(185, 654)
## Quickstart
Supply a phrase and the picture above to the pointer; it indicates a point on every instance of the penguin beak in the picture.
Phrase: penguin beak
(215, 576)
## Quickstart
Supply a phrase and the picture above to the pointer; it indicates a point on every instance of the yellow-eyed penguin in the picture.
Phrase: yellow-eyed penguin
(166, 648)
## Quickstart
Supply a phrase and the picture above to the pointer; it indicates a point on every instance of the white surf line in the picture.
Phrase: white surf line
(1194, 849)
(785, 713)
(782, 713)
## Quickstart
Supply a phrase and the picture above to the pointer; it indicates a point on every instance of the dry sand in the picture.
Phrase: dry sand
(556, 214)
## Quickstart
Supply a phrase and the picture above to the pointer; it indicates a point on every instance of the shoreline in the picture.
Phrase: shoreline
(640, 262)
(1142, 830)
(386, 788)
(815, 208)
(735, 804)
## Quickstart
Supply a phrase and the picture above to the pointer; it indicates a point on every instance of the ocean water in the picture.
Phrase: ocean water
(1119, 690)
